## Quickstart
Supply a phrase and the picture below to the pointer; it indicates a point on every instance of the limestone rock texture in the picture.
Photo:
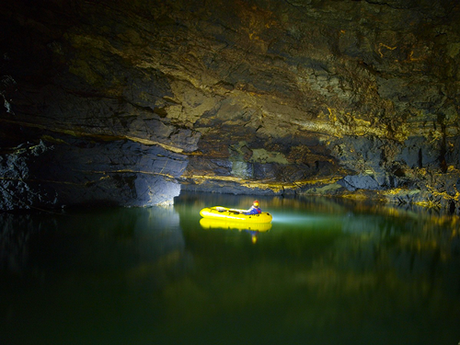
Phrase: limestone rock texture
(128, 102)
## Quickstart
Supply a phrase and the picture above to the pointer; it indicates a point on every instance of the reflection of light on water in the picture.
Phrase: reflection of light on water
(304, 221)
(291, 219)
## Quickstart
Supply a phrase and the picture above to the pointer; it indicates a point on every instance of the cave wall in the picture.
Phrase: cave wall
(351, 98)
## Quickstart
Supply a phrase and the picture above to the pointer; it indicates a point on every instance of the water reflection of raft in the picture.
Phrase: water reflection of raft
(208, 223)
(224, 213)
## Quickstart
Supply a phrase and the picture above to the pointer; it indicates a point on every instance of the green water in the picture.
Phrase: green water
(326, 272)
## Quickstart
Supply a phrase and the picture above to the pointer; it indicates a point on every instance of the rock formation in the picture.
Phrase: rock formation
(127, 102)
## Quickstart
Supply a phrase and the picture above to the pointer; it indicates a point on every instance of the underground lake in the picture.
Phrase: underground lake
(324, 271)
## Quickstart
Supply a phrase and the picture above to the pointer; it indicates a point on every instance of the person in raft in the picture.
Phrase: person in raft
(255, 209)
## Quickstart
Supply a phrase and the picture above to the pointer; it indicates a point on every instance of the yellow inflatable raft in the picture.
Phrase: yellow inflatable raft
(224, 213)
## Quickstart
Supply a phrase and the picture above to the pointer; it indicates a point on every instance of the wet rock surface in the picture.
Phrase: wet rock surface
(256, 96)
(59, 171)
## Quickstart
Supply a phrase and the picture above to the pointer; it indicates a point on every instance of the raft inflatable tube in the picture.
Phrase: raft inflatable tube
(208, 223)
(224, 213)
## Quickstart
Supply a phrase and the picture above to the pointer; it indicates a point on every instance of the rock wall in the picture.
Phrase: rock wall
(351, 98)
(64, 171)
